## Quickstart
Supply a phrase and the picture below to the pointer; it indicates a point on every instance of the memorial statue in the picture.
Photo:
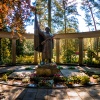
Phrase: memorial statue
(43, 42)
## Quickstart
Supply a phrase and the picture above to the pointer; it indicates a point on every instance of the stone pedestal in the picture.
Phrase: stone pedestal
(47, 70)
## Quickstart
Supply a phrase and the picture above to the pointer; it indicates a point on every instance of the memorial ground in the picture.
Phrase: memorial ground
(16, 92)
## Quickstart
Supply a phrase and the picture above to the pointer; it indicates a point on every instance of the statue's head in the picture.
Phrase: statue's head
(47, 29)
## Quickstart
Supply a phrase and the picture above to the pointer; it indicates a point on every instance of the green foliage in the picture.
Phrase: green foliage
(91, 58)
(84, 79)
(15, 19)
(7, 61)
(59, 67)
(28, 68)
(5, 77)
(61, 12)
(78, 79)
(95, 76)
(28, 47)
(58, 79)
(69, 55)
(24, 51)
(19, 48)
(36, 79)
(74, 79)
(91, 18)
(44, 83)
(69, 50)
(25, 59)
(5, 50)
(90, 54)
(25, 80)
(89, 62)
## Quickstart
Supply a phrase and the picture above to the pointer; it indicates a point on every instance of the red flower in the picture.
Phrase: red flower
(77, 53)
(56, 75)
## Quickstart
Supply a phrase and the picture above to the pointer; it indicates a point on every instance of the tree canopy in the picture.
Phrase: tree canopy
(15, 15)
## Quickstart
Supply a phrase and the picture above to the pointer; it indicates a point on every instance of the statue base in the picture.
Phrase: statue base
(47, 70)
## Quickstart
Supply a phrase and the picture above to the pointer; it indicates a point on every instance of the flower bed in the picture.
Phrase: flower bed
(44, 79)
(48, 82)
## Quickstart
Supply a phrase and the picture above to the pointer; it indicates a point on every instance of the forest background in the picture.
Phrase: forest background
(62, 16)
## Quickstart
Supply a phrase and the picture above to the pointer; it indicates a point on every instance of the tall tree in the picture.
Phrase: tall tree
(20, 48)
(91, 7)
(15, 15)
(5, 50)
(49, 13)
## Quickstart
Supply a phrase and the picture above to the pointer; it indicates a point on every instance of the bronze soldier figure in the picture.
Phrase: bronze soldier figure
(43, 42)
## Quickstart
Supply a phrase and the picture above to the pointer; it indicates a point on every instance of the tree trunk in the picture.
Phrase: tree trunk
(0, 52)
(49, 14)
(64, 15)
(97, 39)
(92, 17)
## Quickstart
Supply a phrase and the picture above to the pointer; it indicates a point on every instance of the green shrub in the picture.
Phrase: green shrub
(4, 77)
(84, 79)
(74, 79)
(25, 59)
(95, 76)
(28, 68)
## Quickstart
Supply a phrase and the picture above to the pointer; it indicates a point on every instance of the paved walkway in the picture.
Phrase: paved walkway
(20, 93)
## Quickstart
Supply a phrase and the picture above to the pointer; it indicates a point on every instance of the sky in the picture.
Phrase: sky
(82, 25)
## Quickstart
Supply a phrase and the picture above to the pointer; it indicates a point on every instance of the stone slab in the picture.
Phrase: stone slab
(84, 94)
(21, 74)
(68, 72)
(41, 94)
(57, 94)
